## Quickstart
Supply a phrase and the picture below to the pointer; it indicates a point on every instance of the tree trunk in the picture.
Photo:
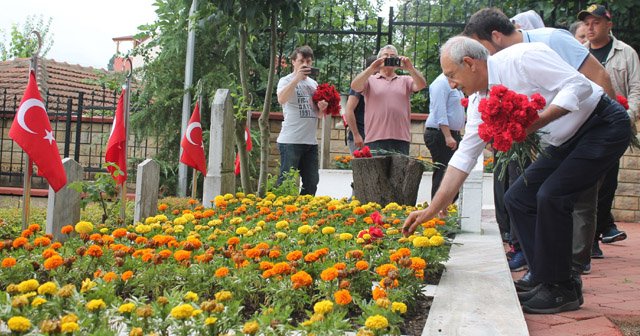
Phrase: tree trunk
(386, 179)
(241, 143)
(264, 117)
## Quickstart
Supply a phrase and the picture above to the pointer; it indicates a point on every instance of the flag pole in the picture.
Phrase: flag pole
(28, 171)
(123, 188)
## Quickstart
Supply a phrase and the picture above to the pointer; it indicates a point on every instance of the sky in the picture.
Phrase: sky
(82, 30)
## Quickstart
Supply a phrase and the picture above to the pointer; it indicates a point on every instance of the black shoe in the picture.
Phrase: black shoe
(613, 235)
(553, 298)
(527, 295)
(526, 283)
(577, 281)
(596, 252)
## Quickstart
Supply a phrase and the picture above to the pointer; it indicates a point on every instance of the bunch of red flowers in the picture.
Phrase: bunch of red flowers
(364, 152)
(507, 115)
(328, 93)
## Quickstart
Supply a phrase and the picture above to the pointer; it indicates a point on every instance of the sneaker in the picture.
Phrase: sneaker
(586, 269)
(613, 235)
(527, 295)
(518, 262)
(553, 298)
(526, 283)
(596, 252)
(577, 281)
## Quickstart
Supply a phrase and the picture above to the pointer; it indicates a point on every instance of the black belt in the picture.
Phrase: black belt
(437, 129)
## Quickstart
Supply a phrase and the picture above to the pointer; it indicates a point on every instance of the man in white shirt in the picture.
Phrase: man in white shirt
(586, 131)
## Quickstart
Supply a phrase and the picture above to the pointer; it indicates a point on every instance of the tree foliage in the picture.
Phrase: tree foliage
(23, 43)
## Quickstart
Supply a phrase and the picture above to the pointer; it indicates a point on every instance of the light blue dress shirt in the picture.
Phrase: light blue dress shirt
(444, 105)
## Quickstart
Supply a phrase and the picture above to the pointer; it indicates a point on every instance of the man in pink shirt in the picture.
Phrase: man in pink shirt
(387, 116)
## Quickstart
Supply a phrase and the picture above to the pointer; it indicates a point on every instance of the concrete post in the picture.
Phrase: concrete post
(325, 142)
(147, 184)
(471, 199)
(63, 207)
(220, 178)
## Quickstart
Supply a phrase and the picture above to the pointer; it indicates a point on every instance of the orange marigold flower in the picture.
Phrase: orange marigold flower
(192, 201)
(281, 268)
(262, 245)
(268, 273)
(384, 269)
(378, 293)
(208, 213)
(126, 275)
(252, 253)
(323, 251)
(418, 263)
(95, 237)
(26, 233)
(164, 254)
(181, 255)
(294, 255)
(147, 256)
(221, 272)
(233, 241)
(290, 208)
(362, 265)
(311, 257)
(356, 254)
(67, 229)
(56, 245)
(175, 212)
(342, 297)
(359, 211)
(274, 254)
(42, 241)
(94, 251)
(8, 262)
(173, 244)
(368, 220)
(141, 240)
(19, 242)
(107, 239)
(119, 233)
(162, 207)
(53, 262)
(48, 253)
(340, 266)
(329, 274)
(110, 276)
(97, 273)
(301, 279)
(265, 265)
(34, 227)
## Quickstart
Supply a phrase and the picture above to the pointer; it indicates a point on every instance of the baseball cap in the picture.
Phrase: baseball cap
(595, 10)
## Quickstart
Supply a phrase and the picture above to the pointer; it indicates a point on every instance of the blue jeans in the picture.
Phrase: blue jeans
(303, 158)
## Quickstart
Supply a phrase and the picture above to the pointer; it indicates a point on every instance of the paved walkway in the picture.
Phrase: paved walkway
(611, 291)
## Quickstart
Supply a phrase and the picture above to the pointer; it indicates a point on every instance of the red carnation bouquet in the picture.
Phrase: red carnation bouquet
(506, 115)
(328, 93)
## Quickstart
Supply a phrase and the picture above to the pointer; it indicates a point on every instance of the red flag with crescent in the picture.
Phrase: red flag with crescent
(32, 131)
(247, 138)
(116, 151)
(192, 145)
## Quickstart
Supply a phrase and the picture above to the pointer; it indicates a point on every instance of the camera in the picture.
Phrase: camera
(314, 72)
(392, 61)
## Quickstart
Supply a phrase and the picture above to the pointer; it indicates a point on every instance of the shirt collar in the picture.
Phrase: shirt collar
(378, 75)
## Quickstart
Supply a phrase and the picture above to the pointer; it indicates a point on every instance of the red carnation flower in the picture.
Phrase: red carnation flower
(464, 102)
(623, 101)
(328, 93)
(377, 218)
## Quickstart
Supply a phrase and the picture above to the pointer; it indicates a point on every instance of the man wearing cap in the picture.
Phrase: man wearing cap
(621, 61)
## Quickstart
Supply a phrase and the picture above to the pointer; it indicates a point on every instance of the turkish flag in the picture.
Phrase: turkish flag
(116, 151)
(32, 131)
(192, 146)
(247, 138)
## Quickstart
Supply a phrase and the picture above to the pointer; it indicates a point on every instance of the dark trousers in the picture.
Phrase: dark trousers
(440, 153)
(606, 194)
(304, 158)
(540, 209)
(511, 174)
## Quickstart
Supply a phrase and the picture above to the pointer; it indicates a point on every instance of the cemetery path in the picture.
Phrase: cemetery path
(611, 295)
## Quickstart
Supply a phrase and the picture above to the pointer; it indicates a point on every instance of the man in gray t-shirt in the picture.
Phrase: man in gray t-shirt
(297, 140)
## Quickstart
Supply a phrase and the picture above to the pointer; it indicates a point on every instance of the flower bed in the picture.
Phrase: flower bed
(249, 266)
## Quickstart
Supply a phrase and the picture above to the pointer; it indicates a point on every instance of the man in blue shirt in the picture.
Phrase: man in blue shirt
(442, 128)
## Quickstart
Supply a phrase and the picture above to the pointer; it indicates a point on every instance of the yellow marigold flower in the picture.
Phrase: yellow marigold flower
(376, 322)
(96, 305)
(224, 295)
(161, 218)
(345, 236)
(235, 220)
(214, 222)
(87, 284)
(327, 230)
(383, 303)
(392, 206)
(421, 242)
(28, 286)
(69, 318)
(196, 312)
(210, 321)
(142, 228)
(436, 240)
(399, 307)
(19, 324)
(305, 229)
(228, 196)
(393, 231)
(364, 332)
(126, 308)
(67, 290)
(69, 327)
(360, 241)
(182, 311)
(189, 217)
(150, 220)
(281, 235)
(38, 301)
(137, 331)
(84, 227)
(429, 232)
(180, 221)
(251, 327)
(242, 230)
(19, 301)
(191, 296)
(281, 225)
(323, 307)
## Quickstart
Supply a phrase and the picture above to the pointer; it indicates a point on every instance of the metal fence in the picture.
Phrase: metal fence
(81, 124)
